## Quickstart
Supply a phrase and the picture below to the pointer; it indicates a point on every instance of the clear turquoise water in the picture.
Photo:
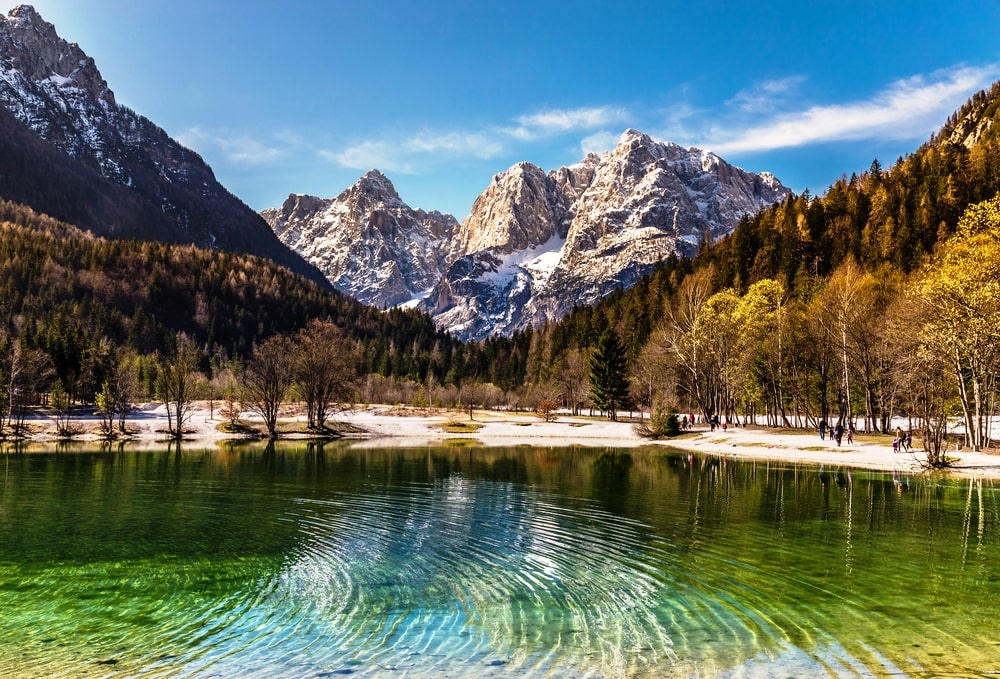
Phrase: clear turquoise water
(309, 561)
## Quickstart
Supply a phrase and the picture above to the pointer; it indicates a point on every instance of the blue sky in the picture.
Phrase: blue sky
(305, 96)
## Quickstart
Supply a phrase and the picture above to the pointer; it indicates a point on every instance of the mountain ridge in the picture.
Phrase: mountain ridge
(370, 244)
(535, 243)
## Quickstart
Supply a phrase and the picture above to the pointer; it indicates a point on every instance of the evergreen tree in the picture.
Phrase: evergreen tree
(608, 376)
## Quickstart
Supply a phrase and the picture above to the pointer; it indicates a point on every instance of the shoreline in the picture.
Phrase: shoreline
(389, 426)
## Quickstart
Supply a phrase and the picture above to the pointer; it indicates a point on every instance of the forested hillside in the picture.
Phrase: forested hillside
(895, 217)
(77, 298)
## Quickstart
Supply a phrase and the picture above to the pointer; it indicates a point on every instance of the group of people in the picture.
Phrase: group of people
(903, 441)
(836, 433)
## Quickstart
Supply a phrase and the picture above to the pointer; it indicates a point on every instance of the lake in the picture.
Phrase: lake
(308, 560)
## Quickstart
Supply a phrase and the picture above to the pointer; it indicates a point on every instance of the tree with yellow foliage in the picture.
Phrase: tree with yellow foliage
(960, 291)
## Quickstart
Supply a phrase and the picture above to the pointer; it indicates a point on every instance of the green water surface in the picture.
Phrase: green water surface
(329, 560)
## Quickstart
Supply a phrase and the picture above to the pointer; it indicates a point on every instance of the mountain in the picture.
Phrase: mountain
(68, 149)
(369, 243)
(534, 244)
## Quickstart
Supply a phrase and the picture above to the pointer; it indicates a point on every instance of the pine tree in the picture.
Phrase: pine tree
(608, 378)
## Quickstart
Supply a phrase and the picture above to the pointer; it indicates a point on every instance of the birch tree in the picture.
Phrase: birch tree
(685, 339)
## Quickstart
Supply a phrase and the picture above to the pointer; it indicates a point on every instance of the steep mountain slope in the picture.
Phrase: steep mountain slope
(119, 174)
(535, 245)
(368, 242)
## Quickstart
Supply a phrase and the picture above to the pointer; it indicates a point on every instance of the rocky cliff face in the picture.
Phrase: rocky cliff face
(534, 244)
(154, 188)
(367, 241)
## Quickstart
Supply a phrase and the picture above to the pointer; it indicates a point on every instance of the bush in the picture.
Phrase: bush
(661, 425)
(546, 410)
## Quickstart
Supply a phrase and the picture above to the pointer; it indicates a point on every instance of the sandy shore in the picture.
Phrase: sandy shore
(762, 443)
(384, 426)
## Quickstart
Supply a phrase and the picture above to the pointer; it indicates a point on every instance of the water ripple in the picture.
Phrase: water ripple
(473, 578)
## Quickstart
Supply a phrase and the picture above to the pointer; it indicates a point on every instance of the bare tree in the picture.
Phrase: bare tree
(178, 383)
(231, 409)
(106, 410)
(324, 369)
(546, 410)
(480, 395)
(266, 379)
(59, 401)
(574, 379)
(923, 376)
(30, 372)
(123, 382)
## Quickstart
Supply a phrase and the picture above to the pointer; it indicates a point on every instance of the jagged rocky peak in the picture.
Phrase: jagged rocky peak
(374, 187)
(56, 90)
(283, 217)
(521, 208)
(41, 55)
(691, 194)
(366, 241)
(573, 180)
(535, 244)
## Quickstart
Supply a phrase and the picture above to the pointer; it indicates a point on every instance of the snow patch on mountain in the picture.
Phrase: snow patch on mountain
(535, 244)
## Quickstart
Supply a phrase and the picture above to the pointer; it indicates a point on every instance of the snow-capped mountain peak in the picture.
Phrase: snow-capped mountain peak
(606, 221)
(534, 243)
(141, 183)
(367, 241)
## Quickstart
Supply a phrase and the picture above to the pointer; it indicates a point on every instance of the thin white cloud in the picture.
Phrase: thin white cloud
(239, 149)
(907, 109)
(678, 123)
(767, 96)
(404, 156)
(599, 142)
(370, 154)
(561, 121)
(455, 143)
(429, 147)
